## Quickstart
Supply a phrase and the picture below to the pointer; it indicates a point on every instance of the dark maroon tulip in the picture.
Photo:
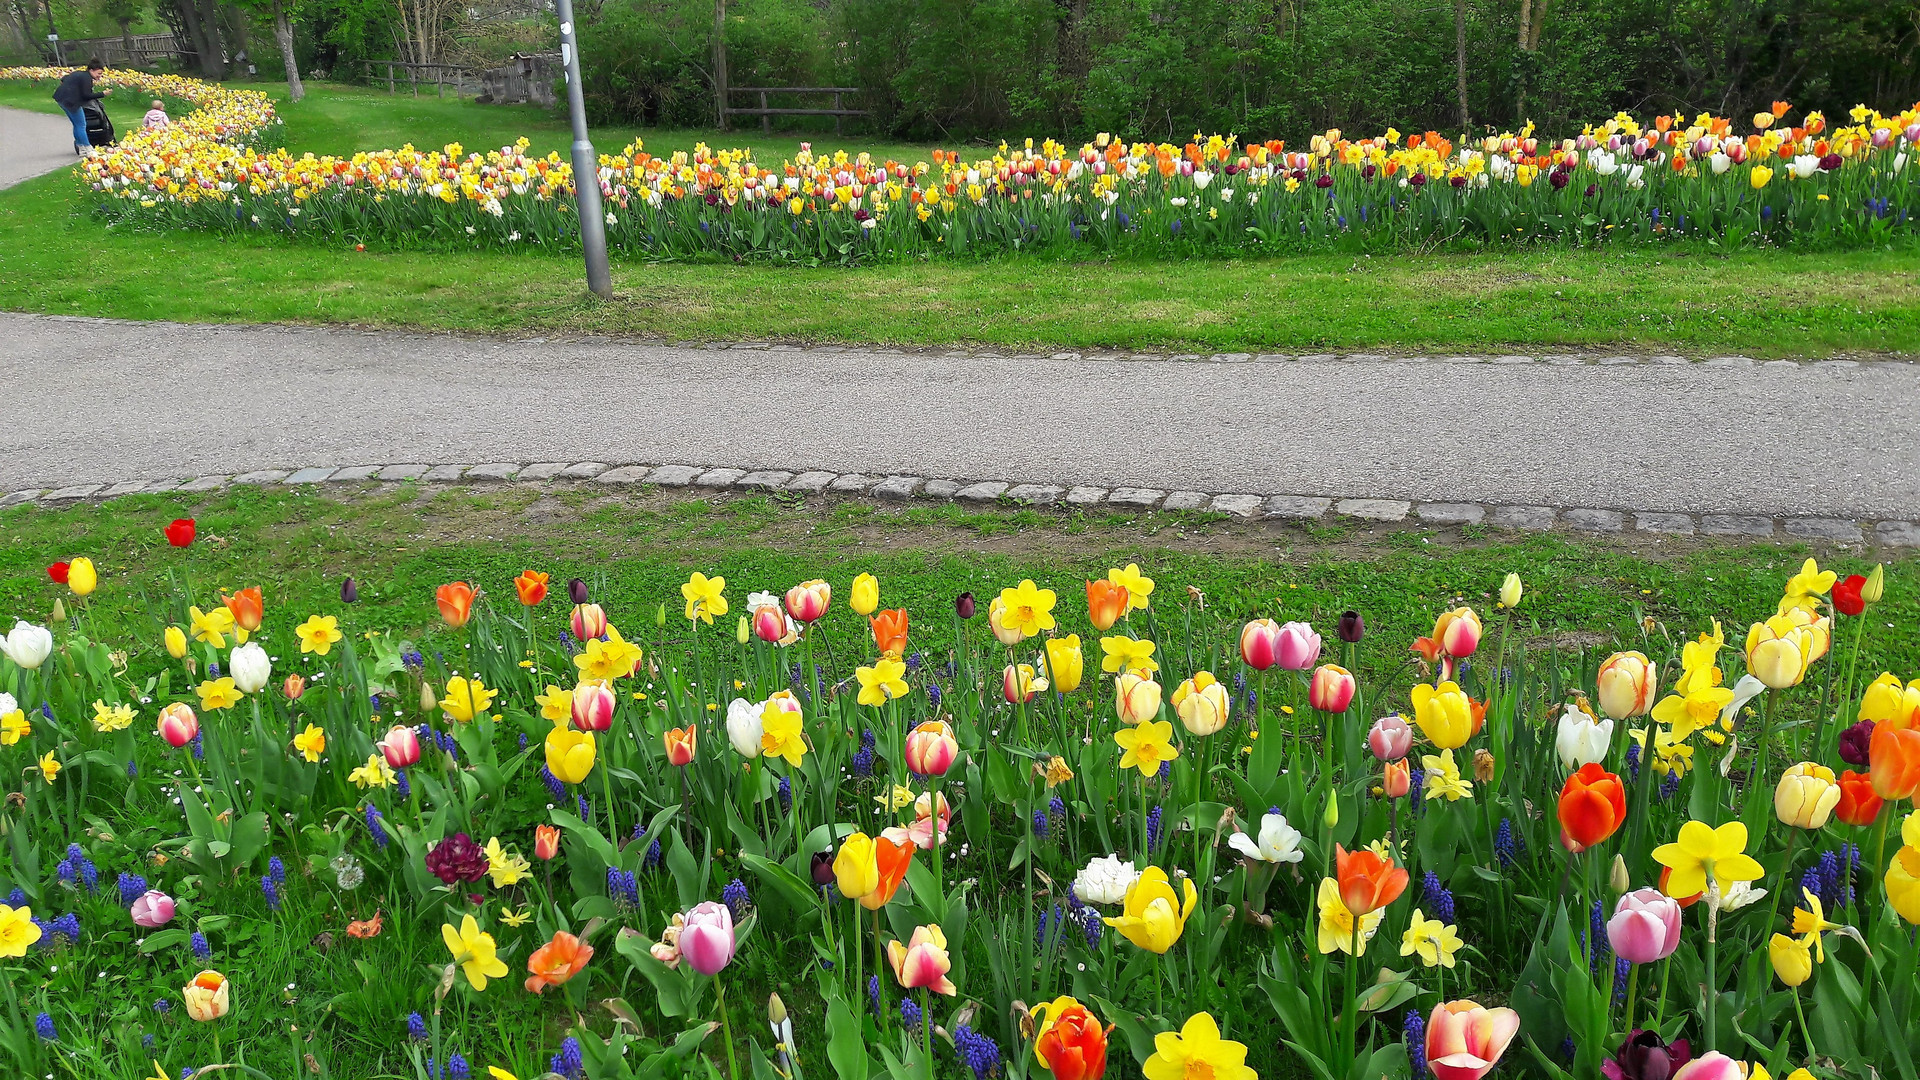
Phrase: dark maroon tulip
(457, 859)
(349, 592)
(823, 869)
(1644, 1057)
(1351, 628)
(963, 605)
(577, 591)
(1853, 743)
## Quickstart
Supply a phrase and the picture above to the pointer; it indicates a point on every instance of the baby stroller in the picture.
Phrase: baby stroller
(99, 128)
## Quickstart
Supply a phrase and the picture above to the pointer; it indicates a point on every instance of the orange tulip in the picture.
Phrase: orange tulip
(456, 603)
(1397, 780)
(1893, 761)
(680, 744)
(891, 860)
(294, 687)
(532, 587)
(546, 841)
(1106, 602)
(1592, 805)
(890, 631)
(1859, 805)
(1070, 1043)
(1368, 882)
(557, 961)
(1684, 901)
(247, 608)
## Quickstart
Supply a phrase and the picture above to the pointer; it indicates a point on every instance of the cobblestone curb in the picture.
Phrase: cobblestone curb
(903, 488)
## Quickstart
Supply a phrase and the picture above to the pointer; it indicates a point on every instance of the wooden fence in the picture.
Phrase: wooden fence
(839, 111)
(396, 73)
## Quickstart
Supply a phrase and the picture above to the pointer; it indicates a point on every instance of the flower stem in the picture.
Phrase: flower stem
(726, 1028)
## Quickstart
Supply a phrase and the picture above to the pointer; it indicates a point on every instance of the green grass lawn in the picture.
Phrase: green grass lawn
(1687, 300)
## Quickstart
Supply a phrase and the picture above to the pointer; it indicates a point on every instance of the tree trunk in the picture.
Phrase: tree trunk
(126, 40)
(283, 33)
(1460, 59)
(720, 61)
(213, 58)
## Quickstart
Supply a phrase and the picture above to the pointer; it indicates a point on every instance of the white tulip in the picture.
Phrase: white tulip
(1720, 162)
(1279, 842)
(1201, 178)
(744, 726)
(1582, 739)
(1105, 880)
(250, 667)
(27, 645)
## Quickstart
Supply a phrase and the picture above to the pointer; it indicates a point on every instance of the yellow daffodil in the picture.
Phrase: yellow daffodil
(375, 773)
(1138, 585)
(505, 867)
(882, 682)
(1434, 941)
(1153, 917)
(1443, 778)
(1027, 609)
(705, 596)
(467, 700)
(1670, 754)
(318, 634)
(1057, 772)
(474, 952)
(218, 693)
(1811, 922)
(18, 931)
(1147, 745)
(614, 658)
(495, 1072)
(49, 768)
(14, 727)
(1336, 921)
(1119, 653)
(516, 919)
(211, 627)
(108, 718)
(1702, 850)
(1805, 589)
(1197, 1053)
(311, 743)
(780, 734)
(897, 799)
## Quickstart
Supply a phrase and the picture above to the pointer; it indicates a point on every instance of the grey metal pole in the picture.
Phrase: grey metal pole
(586, 164)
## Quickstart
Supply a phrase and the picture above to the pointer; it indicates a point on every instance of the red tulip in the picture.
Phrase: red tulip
(181, 533)
(1592, 805)
(532, 587)
(1846, 595)
(1859, 805)
(58, 572)
(456, 603)
(546, 841)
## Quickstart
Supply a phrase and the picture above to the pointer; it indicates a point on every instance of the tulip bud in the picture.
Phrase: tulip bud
(1618, 879)
(1397, 780)
(1351, 628)
(660, 615)
(250, 667)
(59, 612)
(1331, 817)
(178, 725)
(546, 841)
(401, 747)
(743, 633)
(349, 592)
(1511, 590)
(822, 868)
(963, 605)
(577, 591)
(1876, 585)
(294, 687)
(176, 640)
(776, 1010)
(429, 701)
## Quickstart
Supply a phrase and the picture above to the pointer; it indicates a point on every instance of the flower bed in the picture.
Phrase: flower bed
(1615, 181)
(1074, 834)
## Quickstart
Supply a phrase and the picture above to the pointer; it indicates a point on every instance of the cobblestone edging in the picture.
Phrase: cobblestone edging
(1297, 508)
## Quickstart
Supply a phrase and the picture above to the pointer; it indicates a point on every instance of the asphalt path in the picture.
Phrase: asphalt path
(33, 143)
(95, 401)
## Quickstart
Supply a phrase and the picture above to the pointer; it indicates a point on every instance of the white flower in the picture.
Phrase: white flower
(1226, 194)
(1201, 178)
(1804, 165)
(611, 220)
(1636, 176)
(1279, 842)
(1105, 880)
(1744, 691)
(1742, 894)
(469, 230)
(7, 704)
(1178, 202)
(1602, 162)
(514, 235)
(1720, 162)
(756, 601)
(27, 645)
(744, 727)
(1582, 738)
(250, 667)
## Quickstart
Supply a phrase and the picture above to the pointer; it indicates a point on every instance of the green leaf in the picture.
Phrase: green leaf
(846, 1047)
(800, 895)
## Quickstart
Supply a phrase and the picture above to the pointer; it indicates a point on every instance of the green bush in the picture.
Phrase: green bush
(652, 60)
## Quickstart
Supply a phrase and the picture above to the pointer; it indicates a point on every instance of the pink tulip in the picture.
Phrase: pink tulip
(153, 909)
(1713, 1065)
(923, 961)
(1298, 647)
(593, 703)
(1260, 644)
(1390, 737)
(401, 747)
(1645, 926)
(931, 749)
(1331, 689)
(706, 941)
(809, 600)
(769, 623)
(589, 621)
(178, 725)
(1465, 1040)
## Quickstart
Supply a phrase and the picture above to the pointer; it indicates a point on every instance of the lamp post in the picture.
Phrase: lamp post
(586, 164)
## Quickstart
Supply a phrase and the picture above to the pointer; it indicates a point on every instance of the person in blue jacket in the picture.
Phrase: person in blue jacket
(72, 95)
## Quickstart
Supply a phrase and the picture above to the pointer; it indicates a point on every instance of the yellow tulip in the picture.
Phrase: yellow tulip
(570, 754)
(1136, 698)
(866, 595)
(1066, 664)
(854, 868)
(1202, 704)
(1444, 714)
(1153, 917)
(1511, 590)
(1626, 683)
(176, 640)
(1903, 883)
(1885, 701)
(1792, 958)
(1778, 652)
(1806, 796)
(81, 577)
(1759, 177)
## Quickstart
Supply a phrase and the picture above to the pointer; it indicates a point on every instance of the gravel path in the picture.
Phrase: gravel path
(32, 143)
(97, 401)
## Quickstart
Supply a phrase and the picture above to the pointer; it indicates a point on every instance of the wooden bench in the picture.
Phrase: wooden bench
(839, 111)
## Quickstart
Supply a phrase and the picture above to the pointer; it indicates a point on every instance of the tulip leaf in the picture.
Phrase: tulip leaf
(163, 939)
(668, 983)
(797, 894)
(1389, 990)
(588, 835)
(846, 1047)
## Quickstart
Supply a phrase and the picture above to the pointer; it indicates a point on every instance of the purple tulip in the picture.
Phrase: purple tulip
(1644, 1057)
(706, 942)
(1352, 627)
(1854, 742)
(153, 909)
